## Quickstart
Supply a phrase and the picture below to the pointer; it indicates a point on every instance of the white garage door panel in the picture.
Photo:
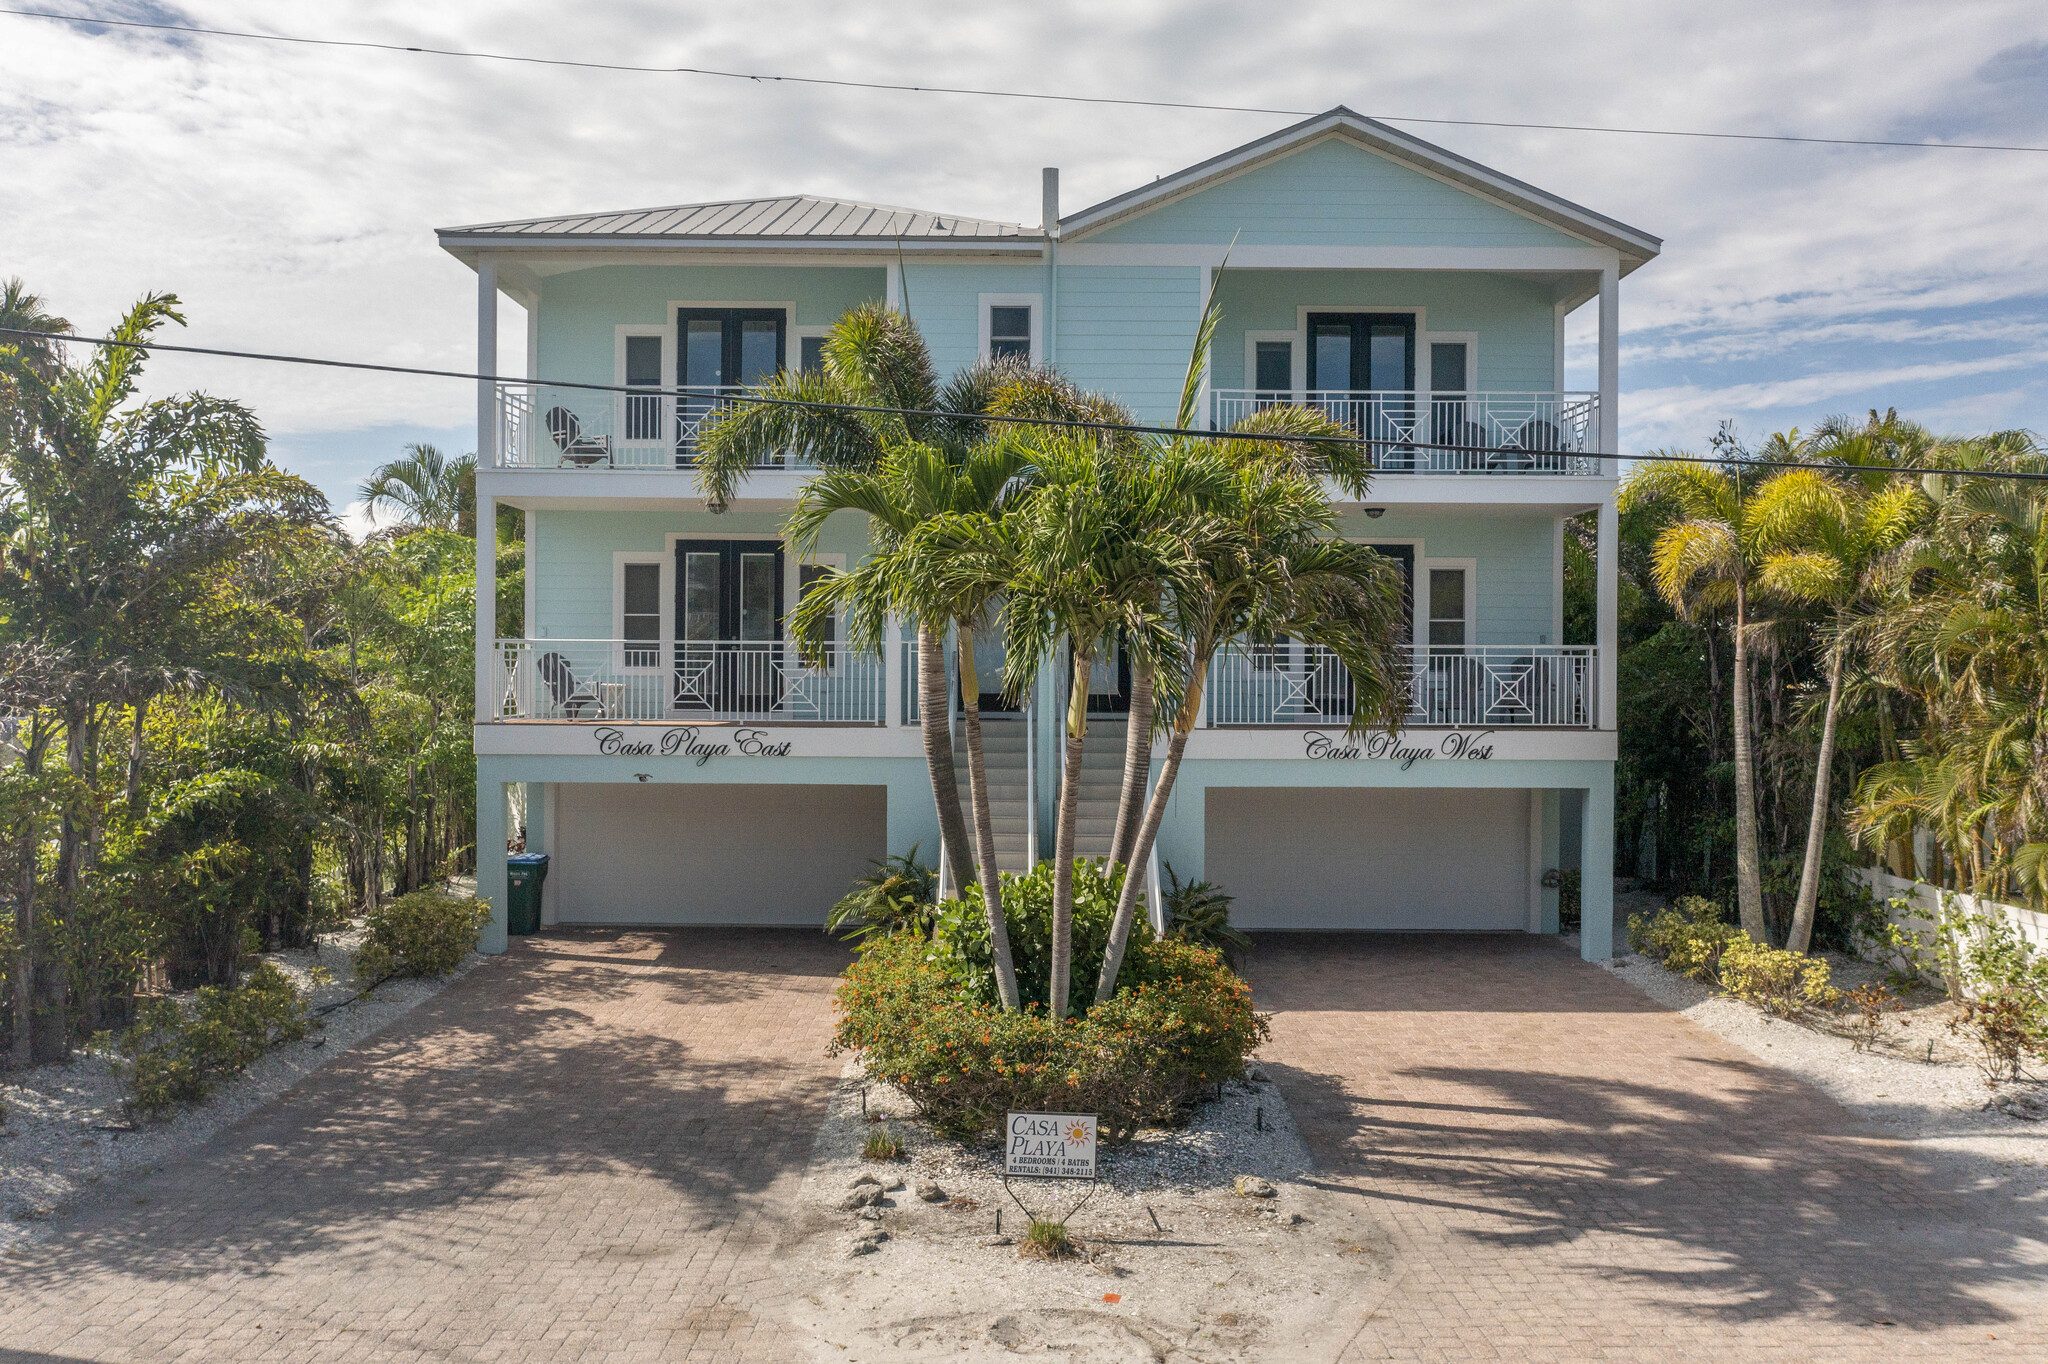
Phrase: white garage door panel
(710, 854)
(1370, 859)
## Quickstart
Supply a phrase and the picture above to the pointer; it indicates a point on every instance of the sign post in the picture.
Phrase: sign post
(1049, 1146)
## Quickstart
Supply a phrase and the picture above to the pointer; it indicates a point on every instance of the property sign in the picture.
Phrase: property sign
(689, 741)
(1051, 1145)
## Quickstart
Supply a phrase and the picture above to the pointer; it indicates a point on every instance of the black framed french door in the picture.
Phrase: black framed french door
(729, 596)
(722, 349)
(1361, 370)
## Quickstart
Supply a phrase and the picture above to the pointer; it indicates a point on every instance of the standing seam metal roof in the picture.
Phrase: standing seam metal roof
(794, 215)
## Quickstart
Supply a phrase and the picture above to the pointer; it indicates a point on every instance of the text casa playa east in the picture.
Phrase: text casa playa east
(688, 741)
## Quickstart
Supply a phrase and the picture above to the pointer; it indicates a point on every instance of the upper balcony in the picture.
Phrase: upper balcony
(1447, 433)
(546, 426)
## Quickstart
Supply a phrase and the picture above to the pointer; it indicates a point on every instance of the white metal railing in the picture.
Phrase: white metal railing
(547, 426)
(612, 679)
(1493, 685)
(1487, 433)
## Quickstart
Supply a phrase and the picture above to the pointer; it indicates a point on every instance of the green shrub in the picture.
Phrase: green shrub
(960, 934)
(895, 895)
(176, 1056)
(1180, 1026)
(1199, 912)
(424, 934)
(1779, 982)
(2007, 1026)
(1688, 938)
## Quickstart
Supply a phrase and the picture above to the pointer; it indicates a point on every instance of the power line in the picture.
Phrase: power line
(1070, 423)
(766, 78)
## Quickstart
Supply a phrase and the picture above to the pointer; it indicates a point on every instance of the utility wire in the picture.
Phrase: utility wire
(765, 78)
(1070, 423)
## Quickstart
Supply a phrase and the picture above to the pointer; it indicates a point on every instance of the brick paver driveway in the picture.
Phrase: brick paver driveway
(1567, 1172)
(580, 1151)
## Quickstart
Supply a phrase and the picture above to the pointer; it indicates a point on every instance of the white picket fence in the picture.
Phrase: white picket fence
(1915, 906)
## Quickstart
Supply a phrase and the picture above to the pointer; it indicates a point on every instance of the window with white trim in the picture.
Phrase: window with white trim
(1010, 327)
(637, 615)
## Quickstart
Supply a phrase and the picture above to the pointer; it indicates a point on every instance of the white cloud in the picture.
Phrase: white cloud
(289, 193)
(360, 520)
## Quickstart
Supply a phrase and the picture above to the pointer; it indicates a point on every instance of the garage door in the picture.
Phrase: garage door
(710, 854)
(1351, 858)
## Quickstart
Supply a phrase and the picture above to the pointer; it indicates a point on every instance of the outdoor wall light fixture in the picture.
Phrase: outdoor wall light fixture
(643, 776)
(1375, 512)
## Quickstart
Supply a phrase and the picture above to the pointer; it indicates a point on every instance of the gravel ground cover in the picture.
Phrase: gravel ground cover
(1920, 1084)
(1175, 1262)
(67, 1137)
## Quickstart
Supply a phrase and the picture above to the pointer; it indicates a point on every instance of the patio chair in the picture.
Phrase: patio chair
(577, 449)
(570, 697)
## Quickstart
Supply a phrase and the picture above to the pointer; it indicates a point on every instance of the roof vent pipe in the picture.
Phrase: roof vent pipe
(1049, 211)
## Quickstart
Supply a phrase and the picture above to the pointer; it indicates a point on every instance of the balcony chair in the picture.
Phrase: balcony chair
(571, 698)
(577, 450)
(1540, 446)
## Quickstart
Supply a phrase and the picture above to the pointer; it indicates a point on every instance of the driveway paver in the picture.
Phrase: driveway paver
(582, 1150)
(1567, 1171)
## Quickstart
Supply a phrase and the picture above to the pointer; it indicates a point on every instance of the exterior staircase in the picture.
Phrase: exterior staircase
(1102, 779)
(1003, 744)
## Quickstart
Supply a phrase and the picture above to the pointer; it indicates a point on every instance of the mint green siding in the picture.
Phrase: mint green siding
(1334, 193)
(1516, 554)
(944, 299)
(580, 310)
(1512, 315)
(1128, 330)
(572, 557)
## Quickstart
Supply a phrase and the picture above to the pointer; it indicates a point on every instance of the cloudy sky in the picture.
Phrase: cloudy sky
(288, 193)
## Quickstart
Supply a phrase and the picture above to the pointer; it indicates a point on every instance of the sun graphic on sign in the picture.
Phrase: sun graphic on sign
(1077, 1131)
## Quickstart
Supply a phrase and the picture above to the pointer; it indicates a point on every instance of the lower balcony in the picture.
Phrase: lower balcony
(1448, 433)
(756, 681)
(1490, 686)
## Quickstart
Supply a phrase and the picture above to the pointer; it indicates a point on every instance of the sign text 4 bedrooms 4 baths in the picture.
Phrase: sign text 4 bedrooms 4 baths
(688, 741)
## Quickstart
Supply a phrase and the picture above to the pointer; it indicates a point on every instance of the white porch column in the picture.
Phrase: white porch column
(1596, 870)
(1607, 607)
(486, 362)
(490, 852)
(486, 460)
(1610, 364)
(892, 673)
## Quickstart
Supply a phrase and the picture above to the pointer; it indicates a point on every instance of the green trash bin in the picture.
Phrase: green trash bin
(524, 873)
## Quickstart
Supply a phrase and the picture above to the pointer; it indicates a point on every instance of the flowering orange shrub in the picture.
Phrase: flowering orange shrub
(1182, 1025)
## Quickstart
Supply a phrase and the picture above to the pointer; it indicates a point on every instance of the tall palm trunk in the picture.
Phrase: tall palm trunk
(984, 826)
(935, 718)
(1063, 836)
(1749, 891)
(1137, 763)
(1148, 831)
(1801, 936)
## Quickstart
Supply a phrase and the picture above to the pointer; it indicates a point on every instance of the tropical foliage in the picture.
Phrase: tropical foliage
(230, 724)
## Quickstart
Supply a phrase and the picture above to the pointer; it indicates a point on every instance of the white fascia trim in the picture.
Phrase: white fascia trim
(1035, 302)
(1535, 259)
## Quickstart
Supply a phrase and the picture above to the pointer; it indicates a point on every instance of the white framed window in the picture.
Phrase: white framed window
(820, 568)
(1012, 325)
(1449, 597)
(643, 356)
(642, 586)
(1273, 366)
(807, 349)
(1450, 362)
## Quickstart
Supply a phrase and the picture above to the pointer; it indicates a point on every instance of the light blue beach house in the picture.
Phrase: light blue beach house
(657, 735)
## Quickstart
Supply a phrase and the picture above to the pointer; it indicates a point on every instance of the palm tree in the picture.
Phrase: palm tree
(22, 311)
(426, 488)
(1703, 563)
(1821, 537)
(1967, 635)
(1092, 544)
(116, 518)
(1270, 560)
(935, 471)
